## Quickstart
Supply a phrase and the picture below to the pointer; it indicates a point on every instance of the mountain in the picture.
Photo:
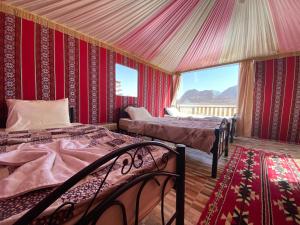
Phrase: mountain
(210, 97)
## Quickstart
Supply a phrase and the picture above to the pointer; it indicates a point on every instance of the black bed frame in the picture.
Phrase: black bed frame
(220, 145)
(133, 159)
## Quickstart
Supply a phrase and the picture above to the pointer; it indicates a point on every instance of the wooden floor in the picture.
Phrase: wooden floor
(199, 184)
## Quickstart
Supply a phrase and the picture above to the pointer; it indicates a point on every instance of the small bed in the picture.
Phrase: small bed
(210, 136)
(173, 112)
(96, 176)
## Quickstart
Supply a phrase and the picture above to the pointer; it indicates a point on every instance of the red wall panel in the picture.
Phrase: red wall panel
(276, 111)
(28, 64)
(59, 65)
(51, 65)
(84, 107)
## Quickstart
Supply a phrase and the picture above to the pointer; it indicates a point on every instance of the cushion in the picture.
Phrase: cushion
(138, 113)
(172, 111)
(38, 114)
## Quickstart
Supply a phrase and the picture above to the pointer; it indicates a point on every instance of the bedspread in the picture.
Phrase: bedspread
(199, 134)
(32, 163)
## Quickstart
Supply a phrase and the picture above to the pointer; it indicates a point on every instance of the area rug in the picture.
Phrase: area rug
(256, 187)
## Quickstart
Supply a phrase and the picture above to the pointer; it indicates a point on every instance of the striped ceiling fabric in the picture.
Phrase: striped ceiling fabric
(179, 35)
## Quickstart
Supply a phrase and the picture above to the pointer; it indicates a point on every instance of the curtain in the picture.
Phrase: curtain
(175, 87)
(245, 98)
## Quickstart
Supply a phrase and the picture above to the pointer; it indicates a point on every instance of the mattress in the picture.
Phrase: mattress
(199, 134)
(24, 151)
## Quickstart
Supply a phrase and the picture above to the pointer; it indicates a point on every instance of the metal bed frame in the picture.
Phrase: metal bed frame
(221, 143)
(133, 159)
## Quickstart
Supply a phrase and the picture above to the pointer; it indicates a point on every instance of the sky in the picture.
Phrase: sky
(129, 80)
(216, 78)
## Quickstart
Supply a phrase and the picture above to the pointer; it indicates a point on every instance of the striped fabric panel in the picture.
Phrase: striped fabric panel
(39, 63)
(287, 107)
(276, 109)
(111, 85)
(294, 125)
(10, 62)
(277, 98)
(153, 93)
(72, 73)
(2, 71)
(94, 106)
(59, 62)
(149, 91)
(84, 82)
(28, 67)
(12, 77)
(140, 82)
(103, 99)
(145, 85)
(44, 63)
(258, 99)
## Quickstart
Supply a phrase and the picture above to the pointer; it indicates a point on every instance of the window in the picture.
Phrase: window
(126, 81)
(210, 91)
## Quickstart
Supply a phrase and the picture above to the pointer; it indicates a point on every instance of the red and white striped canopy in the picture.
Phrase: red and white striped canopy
(181, 35)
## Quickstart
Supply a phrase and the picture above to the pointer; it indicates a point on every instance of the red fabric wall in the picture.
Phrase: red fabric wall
(40, 63)
(276, 109)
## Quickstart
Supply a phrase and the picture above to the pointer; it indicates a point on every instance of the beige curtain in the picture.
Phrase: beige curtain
(175, 87)
(245, 98)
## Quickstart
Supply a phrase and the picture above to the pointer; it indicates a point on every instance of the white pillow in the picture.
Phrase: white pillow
(138, 113)
(38, 114)
(172, 111)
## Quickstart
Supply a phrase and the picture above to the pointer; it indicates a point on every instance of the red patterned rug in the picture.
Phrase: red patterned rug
(258, 188)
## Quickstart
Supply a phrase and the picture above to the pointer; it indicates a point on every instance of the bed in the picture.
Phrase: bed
(206, 135)
(173, 112)
(104, 177)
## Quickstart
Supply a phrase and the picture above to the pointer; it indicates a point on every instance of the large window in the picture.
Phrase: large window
(126, 81)
(210, 91)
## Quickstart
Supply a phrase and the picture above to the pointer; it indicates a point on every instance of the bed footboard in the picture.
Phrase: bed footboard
(131, 157)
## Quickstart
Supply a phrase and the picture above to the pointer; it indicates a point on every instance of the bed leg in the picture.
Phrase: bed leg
(215, 151)
(231, 132)
(180, 185)
(227, 139)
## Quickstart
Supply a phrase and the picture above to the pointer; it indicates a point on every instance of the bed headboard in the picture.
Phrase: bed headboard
(121, 112)
(3, 117)
(166, 112)
(72, 114)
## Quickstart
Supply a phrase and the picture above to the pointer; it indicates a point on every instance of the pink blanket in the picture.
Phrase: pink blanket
(33, 163)
(45, 165)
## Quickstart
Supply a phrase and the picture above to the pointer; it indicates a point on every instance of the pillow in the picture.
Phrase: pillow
(172, 111)
(38, 114)
(138, 113)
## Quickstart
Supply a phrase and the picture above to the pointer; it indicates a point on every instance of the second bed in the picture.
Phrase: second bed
(206, 135)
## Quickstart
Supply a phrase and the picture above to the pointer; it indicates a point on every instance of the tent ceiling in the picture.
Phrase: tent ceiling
(181, 35)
